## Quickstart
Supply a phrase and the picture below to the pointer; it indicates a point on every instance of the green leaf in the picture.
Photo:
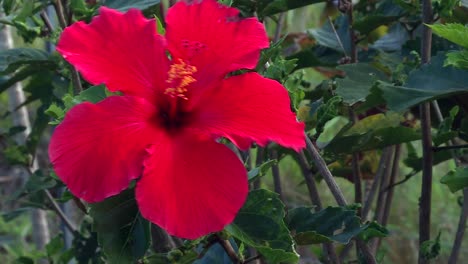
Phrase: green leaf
(430, 249)
(373, 230)
(160, 28)
(55, 111)
(431, 81)
(456, 179)
(38, 182)
(125, 5)
(445, 133)
(123, 234)
(78, 6)
(456, 33)
(39, 126)
(374, 139)
(326, 36)
(260, 224)
(7, 6)
(93, 94)
(457, 59)
(55, 251)
(16, 155)
(307, 58)
(331, 129)
(12, 59)
(371, 22)
(327, 111)
(278, 6)
(26, 11)
(357, 84)
(261, 170)
(337, 224)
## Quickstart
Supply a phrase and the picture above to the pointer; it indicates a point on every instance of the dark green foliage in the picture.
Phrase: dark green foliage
(122, 232)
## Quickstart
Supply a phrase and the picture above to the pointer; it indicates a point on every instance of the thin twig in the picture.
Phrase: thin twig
(60, 213)
(336, 191)
(460, 230)
(389, 197)
(337, 36)
(259, 161)
(75, 76)
(46, 20)
(436, 149)
(382, 195)
(328, 248)
(383, 165)
(393, 176)
(357, 176)
(464, 212)
(325, 172)
(276, 174)
(251, 259)
(352, 34)
(366, 252)
(60, 13)
(309, 180)
(229, 250)
(279, 27)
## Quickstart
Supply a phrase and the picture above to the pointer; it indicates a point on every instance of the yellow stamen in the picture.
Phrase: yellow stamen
(180, 76)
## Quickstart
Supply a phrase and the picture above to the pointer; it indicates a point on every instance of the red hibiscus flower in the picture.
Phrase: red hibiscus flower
(163, 130)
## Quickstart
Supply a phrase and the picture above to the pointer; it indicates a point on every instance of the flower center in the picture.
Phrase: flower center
(180, 76)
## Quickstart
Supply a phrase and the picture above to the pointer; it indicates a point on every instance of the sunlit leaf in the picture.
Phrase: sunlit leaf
(457, 59)
(454, 32)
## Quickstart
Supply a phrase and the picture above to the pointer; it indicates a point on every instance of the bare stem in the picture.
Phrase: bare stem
(435, 149)
(258, 161)
(276, 174)
(46, 20)
(357, 176)
(75, 76)
(460, 230)
(464, 212)
(336, 191)
(384, 162)
(325, 172)
(279, 27)
(352, 35)
(393, 176)
(426, 186)
(60, 13)
(60, 213)
(383, 217)
(310, 182)
(328, 248)
(229, 250)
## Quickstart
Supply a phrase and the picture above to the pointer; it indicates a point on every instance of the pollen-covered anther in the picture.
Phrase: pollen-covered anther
(180, 76)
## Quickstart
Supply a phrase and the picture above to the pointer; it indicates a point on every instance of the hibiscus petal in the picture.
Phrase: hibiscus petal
(120, 50)
(99, 148)
(213, 37)
(191, 187)
(252, 107)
